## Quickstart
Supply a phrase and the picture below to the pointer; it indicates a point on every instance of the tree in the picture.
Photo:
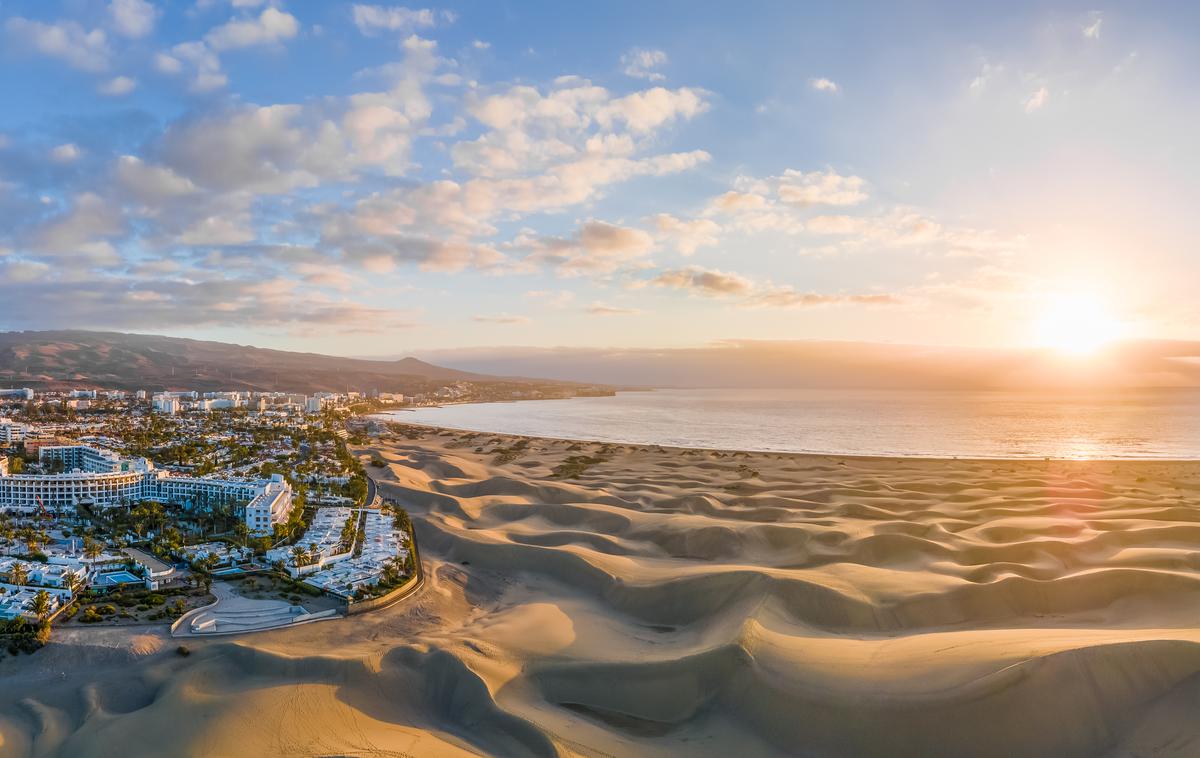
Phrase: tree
(92, 549)
(242, 532)
(74, 584)
(41, 605)
(18, 574)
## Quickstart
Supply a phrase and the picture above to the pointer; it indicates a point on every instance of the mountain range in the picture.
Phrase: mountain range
(49, 360)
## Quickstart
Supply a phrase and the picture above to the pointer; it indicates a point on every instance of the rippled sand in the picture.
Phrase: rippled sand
(667, 602)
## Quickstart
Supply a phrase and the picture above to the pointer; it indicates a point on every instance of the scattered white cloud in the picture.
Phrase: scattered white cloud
(502, 318)
(820, 188)
(118, 86)
(271, 27)
(596, 248)
(642, 64)
(66, 40)
(987, 73)
(707, 282)
(372, 19)
(132, 18)
(481, 45)
(1037, 99)
(603, 309)
(788, 297)
(824, 85)
(83, 231)
(687, 235)
(200, 60)
(167, 64)
(551, 298)
(66, 153)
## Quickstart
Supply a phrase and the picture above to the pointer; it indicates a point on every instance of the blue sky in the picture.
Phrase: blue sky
(372, 179)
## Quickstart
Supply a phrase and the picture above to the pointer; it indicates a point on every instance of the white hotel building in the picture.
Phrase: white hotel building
(101, 478)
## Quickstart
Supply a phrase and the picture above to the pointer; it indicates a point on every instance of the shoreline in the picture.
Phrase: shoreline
(796, 453)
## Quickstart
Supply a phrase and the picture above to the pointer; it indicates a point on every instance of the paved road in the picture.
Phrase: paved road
(372, 490)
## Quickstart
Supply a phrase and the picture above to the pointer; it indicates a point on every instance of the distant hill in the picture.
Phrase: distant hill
(110, 360)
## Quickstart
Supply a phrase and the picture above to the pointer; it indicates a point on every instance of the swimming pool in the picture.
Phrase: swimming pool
(114, 578)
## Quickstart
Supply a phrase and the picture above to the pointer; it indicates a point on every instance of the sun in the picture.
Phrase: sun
(1076, 324)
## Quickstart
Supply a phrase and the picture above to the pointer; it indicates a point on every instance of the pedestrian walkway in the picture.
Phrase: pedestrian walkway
(234, 614)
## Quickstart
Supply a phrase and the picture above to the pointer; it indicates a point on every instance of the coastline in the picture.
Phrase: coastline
(748, 451)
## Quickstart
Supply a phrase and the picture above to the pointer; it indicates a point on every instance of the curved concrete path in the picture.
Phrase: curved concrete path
(234, 614)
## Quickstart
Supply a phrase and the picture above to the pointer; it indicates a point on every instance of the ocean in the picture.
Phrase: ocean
(1161, 424)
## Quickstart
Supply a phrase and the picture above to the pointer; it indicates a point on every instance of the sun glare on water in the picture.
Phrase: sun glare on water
(1076, 325)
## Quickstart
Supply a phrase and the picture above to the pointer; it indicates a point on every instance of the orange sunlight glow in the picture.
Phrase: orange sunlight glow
(1076, 324)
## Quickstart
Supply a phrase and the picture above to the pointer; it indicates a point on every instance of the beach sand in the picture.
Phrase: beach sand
(659, 601)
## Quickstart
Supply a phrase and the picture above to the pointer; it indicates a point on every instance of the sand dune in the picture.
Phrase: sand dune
(655, 601)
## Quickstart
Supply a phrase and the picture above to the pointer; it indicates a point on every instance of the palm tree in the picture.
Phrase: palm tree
(300, 556)
(41, 606)
(74, 584)
(18, 574)
(92, 549)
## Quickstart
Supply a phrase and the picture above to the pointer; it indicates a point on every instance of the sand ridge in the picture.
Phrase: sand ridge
(602, 599)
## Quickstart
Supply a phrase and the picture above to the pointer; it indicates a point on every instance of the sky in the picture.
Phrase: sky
(369, 179)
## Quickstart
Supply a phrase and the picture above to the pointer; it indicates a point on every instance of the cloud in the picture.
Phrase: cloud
(501, 319)
(1037, 100)
(1092, 30)
(14, 271)
(132, 18)
(824, 85)
(117, 86)
(204, 64)
(708, 282)
(687, 236)
(734, 201)
(788, 297)
(596, 248)
(574, 120)
(640, 64)
(66, 153)
(65, 40)
(895, 228)
(750, 294)
(601, 309)
(551, 299)
(271, 27)
(481, 45)
(820, 188)
(372, 19)
(149, 183)
(987, 73)
(84, 231)
(771, 204)
(114, 302)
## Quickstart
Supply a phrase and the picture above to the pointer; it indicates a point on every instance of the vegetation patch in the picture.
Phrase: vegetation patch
(574, 466)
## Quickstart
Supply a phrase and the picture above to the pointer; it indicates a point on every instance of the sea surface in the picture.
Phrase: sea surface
(1135, 424)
